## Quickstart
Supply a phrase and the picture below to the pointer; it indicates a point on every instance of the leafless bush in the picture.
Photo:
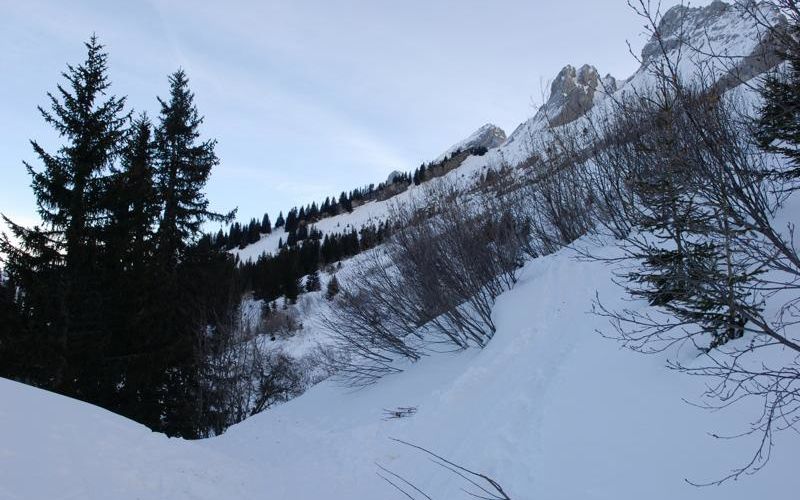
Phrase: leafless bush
(243, 376)
(277, 378)
(561, 202)
(554, 198)
(280, 323)
(434, 282)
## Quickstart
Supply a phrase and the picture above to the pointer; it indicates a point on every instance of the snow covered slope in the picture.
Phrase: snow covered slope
(53, 447)
(550, 409)
(718, 28)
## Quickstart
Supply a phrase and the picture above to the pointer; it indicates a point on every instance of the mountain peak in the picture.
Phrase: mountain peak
(727, 29)
(487, 136)
(573, 93)
(678, 23)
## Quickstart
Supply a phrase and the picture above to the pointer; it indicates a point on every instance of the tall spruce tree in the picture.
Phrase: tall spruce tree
(136, 207)
(58, 265)
(183, 163)
(266, 225)
(129, 282)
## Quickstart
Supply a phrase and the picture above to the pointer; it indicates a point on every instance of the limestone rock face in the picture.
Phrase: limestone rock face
(718, 28)
(573, 93)
(489, 136)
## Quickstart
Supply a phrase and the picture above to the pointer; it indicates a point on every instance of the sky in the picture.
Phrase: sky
(307, 98)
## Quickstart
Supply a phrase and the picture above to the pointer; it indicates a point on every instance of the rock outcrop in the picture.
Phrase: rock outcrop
(573, 93)
(488, 136)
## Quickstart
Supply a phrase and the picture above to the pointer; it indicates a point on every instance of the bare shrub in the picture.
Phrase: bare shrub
(243, 376)
(434, 282)
(280, 323)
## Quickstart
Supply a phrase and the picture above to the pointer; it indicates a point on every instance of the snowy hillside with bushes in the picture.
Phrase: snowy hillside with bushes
(603, 304)
(549, 409)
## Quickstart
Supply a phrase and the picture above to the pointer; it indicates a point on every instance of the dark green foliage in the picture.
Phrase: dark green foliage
(133, 202)
(183, 164)
(687, 267)
(313, 283)
(778, 126)
(266, 225)
(332, 289)
(15, 339)
(117, 298)
(185, 296)
(59, 265)
(273, 276)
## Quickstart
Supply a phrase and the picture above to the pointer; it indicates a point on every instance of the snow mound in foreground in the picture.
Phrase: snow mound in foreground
(550, 409)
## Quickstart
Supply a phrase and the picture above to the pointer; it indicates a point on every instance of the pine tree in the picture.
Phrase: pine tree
(687, 266)
(57, 265)
(778, 126)
(134, 211)
(183, 165)
(134, 207)
(266, 225)
(253, 231)
(15, 340)
(313, 282)
(279, 222)
(345, 203)
(332, 289)
(178, 303)
(291, 220)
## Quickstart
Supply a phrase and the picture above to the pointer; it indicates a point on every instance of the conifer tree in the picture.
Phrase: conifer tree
(778, 126)
(266, 225)
(183, 165)
(178, 305)
(57, 264)
(332, 289)
(132, 198)
(313, 282)
(291, 220)
(134, 211)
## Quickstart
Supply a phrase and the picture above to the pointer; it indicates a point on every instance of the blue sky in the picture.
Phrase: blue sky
(307, 98)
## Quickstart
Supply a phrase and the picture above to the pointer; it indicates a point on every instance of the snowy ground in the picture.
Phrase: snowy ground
(550, 409)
